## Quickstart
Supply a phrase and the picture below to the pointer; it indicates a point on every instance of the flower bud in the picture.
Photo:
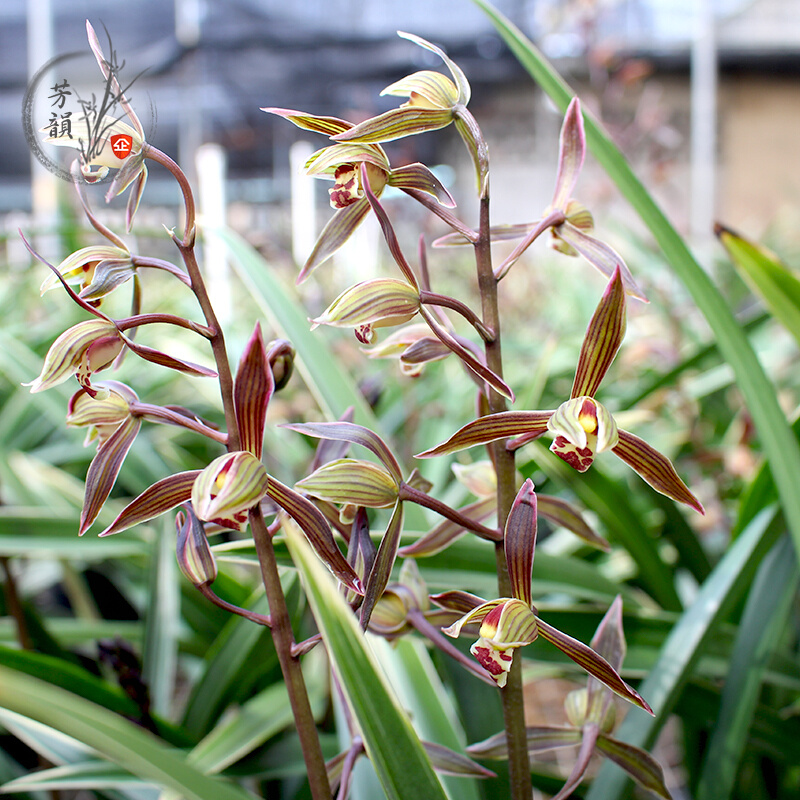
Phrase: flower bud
(348, 480)
(280, 354)
(195, 559)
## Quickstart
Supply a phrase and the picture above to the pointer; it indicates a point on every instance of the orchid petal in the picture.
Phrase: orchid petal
(458, 75)
(447, 762)
(348, 480)
(640, 765)
(602, 340)
(104, 469)
(477, 614)
(311, 122)
(473, 364)
(491, 427)
(588, 740)
(195, 559)
(228, 486)
(609, 642)
(541, 739)
(520, 542)
(654, 468)
(157, 357)
(316, 529)
(108, 275)
(339, 229)
(384, 562)
(418, 176)
(436, 88)
(162, 496)
(75, 266)
(396, 124)
(252, 391)
(332, 449)
(355, 434)
(572, 151)
(457, 601)
(446, 532)
(601, 256)
(326, 161)
(593, 663)
(565, 515)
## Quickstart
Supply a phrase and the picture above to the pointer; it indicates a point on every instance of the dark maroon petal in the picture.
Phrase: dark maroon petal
(104, 469)
(458, 601)
(656, 469)
(384, 561)
(316, 529)
(162, 496)
(602, 340)
(157, 357)
(252, 391)
(520, 542)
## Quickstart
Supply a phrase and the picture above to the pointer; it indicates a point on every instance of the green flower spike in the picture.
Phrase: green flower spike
(342, 164)
(228, 487)
(582, 426)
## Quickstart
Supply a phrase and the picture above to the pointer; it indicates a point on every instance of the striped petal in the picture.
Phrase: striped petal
(640, 765)
(520, 542)
(348, 480)
(418, 176)
(654, 468)
(572, 151)
(312, 523)
(382, 566)
(325, 162)
(252, 391)
(354, 434)
(602, 340)
(458, 76)
(311, 122)
(490, 428)
(600, 255)
(436, 88)
(195, 559)
(77, 266)
(589, 736)
(582, 427)
(339, 229)
(564, 514)
(162, 496)
(594, 664)
(396, 124)
(104, 469)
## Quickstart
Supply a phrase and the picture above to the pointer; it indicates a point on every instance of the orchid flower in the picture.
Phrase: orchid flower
(582, 426)
(592, 718)
(342, 164)
(99, 269)
(509, 623)
(568, 221)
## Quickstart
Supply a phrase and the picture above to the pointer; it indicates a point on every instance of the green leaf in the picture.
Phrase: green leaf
(392, 746)
(764, 273)
(113, 737)
(764, 621)
(685, 644)
(760, 396)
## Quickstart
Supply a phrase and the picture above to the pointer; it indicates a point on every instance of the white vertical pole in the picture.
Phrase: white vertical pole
(704, 124)
(303, 206)
(211, 165)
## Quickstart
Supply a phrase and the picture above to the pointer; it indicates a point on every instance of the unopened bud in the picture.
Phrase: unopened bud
(195, 559)
(281, 361)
